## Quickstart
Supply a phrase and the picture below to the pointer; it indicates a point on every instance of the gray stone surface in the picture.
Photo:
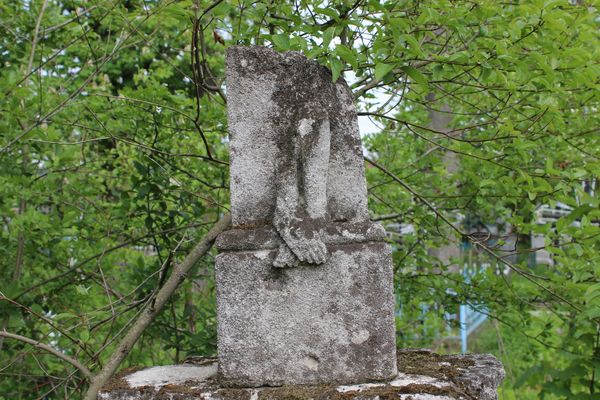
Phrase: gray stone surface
(304, 280)
(423, 376)
(262, 87)
(296, 156)
(267, 237)
(309, 324)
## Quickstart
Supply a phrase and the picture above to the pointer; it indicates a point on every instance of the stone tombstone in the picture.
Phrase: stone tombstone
(304, 278)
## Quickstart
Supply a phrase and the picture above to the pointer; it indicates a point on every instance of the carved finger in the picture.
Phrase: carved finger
(322, 257)
(309, 254)
(318, 248)
(324, 251)
(313, 258)
(293, 261)
(317, 254)
(297, 250)
(301, 255)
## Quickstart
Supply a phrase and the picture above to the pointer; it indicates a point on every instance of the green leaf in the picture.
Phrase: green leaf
(336, 68)
(415, 75)
(347, 55)
(485, 73)
(178, 11)
(438, 72)
(328, 36)
(223, 8)
(330, 12)
(414, 46)
(281, 41)
(84, 335)
(82, 290)
(487, 182)
(63, 316)
(382, 69)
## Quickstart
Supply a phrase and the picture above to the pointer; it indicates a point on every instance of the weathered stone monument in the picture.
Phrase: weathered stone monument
(304, 279)
(305, 299)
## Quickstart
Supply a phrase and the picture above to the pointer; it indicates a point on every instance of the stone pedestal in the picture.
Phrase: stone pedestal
(423, 376)
(304, 279)
(332, 323)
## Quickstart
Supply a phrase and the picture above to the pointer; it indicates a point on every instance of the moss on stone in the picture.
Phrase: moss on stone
(463, 377)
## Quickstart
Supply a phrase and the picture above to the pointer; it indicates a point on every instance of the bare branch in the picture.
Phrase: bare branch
(40, 120)
(154, 307)
(527, 275)
(23, 203)
(50, 350)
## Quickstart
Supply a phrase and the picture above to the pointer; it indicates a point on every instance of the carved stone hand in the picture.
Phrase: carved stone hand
(301, 209)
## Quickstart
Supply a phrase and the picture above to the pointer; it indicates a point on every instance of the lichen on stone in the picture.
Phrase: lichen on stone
(423, 375)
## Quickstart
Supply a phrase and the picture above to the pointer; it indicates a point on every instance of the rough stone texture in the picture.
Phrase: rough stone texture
(296, 159)
(309, 324)
(423, 376)
(266, 237)
(264, 88)
(304, 280)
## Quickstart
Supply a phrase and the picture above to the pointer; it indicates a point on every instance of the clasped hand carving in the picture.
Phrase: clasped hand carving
(301, 210)
(302, 242)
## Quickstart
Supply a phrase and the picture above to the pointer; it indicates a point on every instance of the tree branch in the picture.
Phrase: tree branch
(23, 202)
(154, 307)
(50, 350)
(527, 275)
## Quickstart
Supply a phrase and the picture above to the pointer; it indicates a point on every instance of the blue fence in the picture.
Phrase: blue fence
(468, 317)
(470, 320)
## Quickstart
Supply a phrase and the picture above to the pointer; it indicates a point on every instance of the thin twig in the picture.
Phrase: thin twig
(50, 350)
(154, 307)
(527, 275)
(118, 46)
(23, 202)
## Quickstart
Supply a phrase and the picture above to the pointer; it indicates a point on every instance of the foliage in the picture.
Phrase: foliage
(113, 162)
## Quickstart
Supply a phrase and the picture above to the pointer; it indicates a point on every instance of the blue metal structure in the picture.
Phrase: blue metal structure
(469, 318)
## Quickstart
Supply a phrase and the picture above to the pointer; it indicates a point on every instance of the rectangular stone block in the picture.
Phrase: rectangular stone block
(331, 323)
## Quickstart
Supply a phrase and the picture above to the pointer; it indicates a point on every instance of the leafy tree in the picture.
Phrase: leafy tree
(113, 163)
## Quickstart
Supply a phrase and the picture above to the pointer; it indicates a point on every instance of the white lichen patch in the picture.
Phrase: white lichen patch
(359, 387)
(305, 126)
(360, 336)
(170, 375)
(424, 397)
(407, 379)
(262, 254)
(349, 235)
(311, 363)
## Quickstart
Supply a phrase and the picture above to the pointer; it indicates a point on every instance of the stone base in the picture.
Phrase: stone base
(311, 324)
(423, 376)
